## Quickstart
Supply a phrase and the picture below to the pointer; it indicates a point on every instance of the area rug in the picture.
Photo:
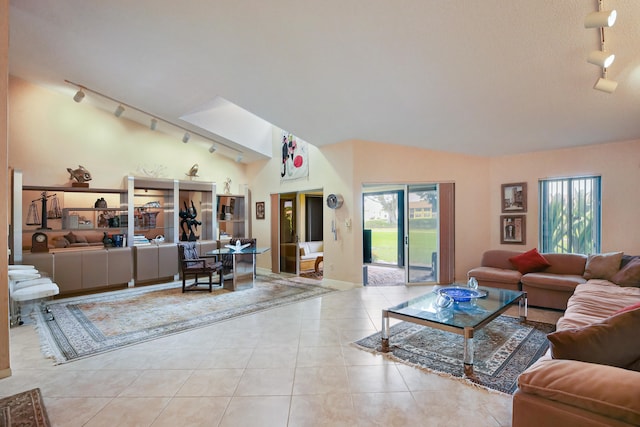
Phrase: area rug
(90, 325)
(503, 349)
(24, 409)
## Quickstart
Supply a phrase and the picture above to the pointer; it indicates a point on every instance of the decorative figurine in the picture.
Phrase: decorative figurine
(81, 175)
(193, 172)
(188, 216)
(227, 186)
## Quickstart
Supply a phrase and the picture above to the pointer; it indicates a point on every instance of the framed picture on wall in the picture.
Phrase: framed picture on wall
(513, 229)
(259, 210)
(514, 197)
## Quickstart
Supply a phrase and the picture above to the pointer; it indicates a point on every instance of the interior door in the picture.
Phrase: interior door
(288, 233)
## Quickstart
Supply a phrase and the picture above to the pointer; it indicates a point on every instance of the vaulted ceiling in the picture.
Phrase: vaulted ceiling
(485, 78)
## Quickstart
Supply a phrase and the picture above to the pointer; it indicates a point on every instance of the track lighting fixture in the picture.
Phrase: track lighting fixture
(601, 58)
(601, 18)
(153, 124)
(605, 85)
(79, 96)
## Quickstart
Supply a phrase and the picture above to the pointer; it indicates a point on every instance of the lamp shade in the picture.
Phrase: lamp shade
(602, 18)
(606, 85)
(601, 58)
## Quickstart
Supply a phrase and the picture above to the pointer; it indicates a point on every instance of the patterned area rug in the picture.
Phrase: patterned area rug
(503, 349)
(23, 409)
(89, 325)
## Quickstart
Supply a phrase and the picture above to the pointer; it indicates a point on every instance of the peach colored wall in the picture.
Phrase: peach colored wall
(49, 132)
(384, 163)
(619, 165)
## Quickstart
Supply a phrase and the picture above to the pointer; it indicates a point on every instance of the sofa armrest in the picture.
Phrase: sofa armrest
(601, 389)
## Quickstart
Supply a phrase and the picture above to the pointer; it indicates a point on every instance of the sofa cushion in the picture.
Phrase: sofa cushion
(602, 266)
(529, 261)
(60, 242)
(629, 275)
(566, 263)
(498, 258)
(556, 282)
(70, 237)
(585, 385)
(492, 274)
(612, 341)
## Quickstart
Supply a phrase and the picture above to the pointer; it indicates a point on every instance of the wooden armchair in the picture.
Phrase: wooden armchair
(192, 265)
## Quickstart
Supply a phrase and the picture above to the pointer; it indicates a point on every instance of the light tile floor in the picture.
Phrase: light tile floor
(288, 366)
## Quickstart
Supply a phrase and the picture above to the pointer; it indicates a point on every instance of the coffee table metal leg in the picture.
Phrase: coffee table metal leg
(468, 351)
(385, 330)
(522, 307)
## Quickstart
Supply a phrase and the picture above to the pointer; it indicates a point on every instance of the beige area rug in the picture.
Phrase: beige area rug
(94, 324)
(24, 409)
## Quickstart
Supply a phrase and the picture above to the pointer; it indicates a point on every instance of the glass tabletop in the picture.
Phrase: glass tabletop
(249, 250)
(460, 314)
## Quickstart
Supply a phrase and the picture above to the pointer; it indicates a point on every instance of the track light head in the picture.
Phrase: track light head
(154, 124)
(239, 158)
(601, 58)
(602, 18)
(119, 110)
(605, 85)
(79, 96)
(213, 148)
(186, 137)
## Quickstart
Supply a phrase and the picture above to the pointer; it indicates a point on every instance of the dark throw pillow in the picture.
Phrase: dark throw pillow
(613, 341)
(529, 261)
(629, 275)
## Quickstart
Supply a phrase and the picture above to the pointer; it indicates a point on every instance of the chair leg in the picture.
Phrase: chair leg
(184, 283)
(210, 281)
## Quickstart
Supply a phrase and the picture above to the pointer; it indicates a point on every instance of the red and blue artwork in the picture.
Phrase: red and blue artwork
(295, 158)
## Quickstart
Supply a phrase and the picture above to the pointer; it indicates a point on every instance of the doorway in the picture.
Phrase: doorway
(299, 218)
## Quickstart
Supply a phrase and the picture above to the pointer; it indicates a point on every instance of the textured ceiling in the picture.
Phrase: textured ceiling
(485, 78)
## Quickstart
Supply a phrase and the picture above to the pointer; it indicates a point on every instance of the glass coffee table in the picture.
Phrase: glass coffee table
(458, 309)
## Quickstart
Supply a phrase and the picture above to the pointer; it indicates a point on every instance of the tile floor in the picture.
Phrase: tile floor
(289, 366)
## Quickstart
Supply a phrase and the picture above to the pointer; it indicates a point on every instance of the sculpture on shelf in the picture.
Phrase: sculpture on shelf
(188, 219)
(35, 220)
(227, 186)
(80, 175)
(193, 172)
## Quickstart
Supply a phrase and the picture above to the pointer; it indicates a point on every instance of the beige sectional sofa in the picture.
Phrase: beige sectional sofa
(310, 252)
(590, 376)
(566, 387)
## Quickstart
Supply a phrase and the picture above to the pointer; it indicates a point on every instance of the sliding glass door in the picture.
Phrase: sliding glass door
(422, 233)
(402, 229)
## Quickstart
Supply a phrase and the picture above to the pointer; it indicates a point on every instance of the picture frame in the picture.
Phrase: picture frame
(259, 210)
(514, 197)
(513, 229)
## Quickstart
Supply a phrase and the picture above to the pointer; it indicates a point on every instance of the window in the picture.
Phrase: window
(570, 215)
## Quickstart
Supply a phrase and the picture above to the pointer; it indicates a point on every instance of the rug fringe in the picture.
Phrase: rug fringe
(394, 358)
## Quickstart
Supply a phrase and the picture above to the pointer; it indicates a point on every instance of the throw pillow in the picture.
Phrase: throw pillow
(629, 275)
(602, 266)
(529, 261)
(71, 237)
(612, 341)
(628, 308)
(60, 242)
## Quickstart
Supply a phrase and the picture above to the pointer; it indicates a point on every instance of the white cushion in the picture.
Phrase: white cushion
(21, 267)
(23, 275)
(28, 283)
(35, 292)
